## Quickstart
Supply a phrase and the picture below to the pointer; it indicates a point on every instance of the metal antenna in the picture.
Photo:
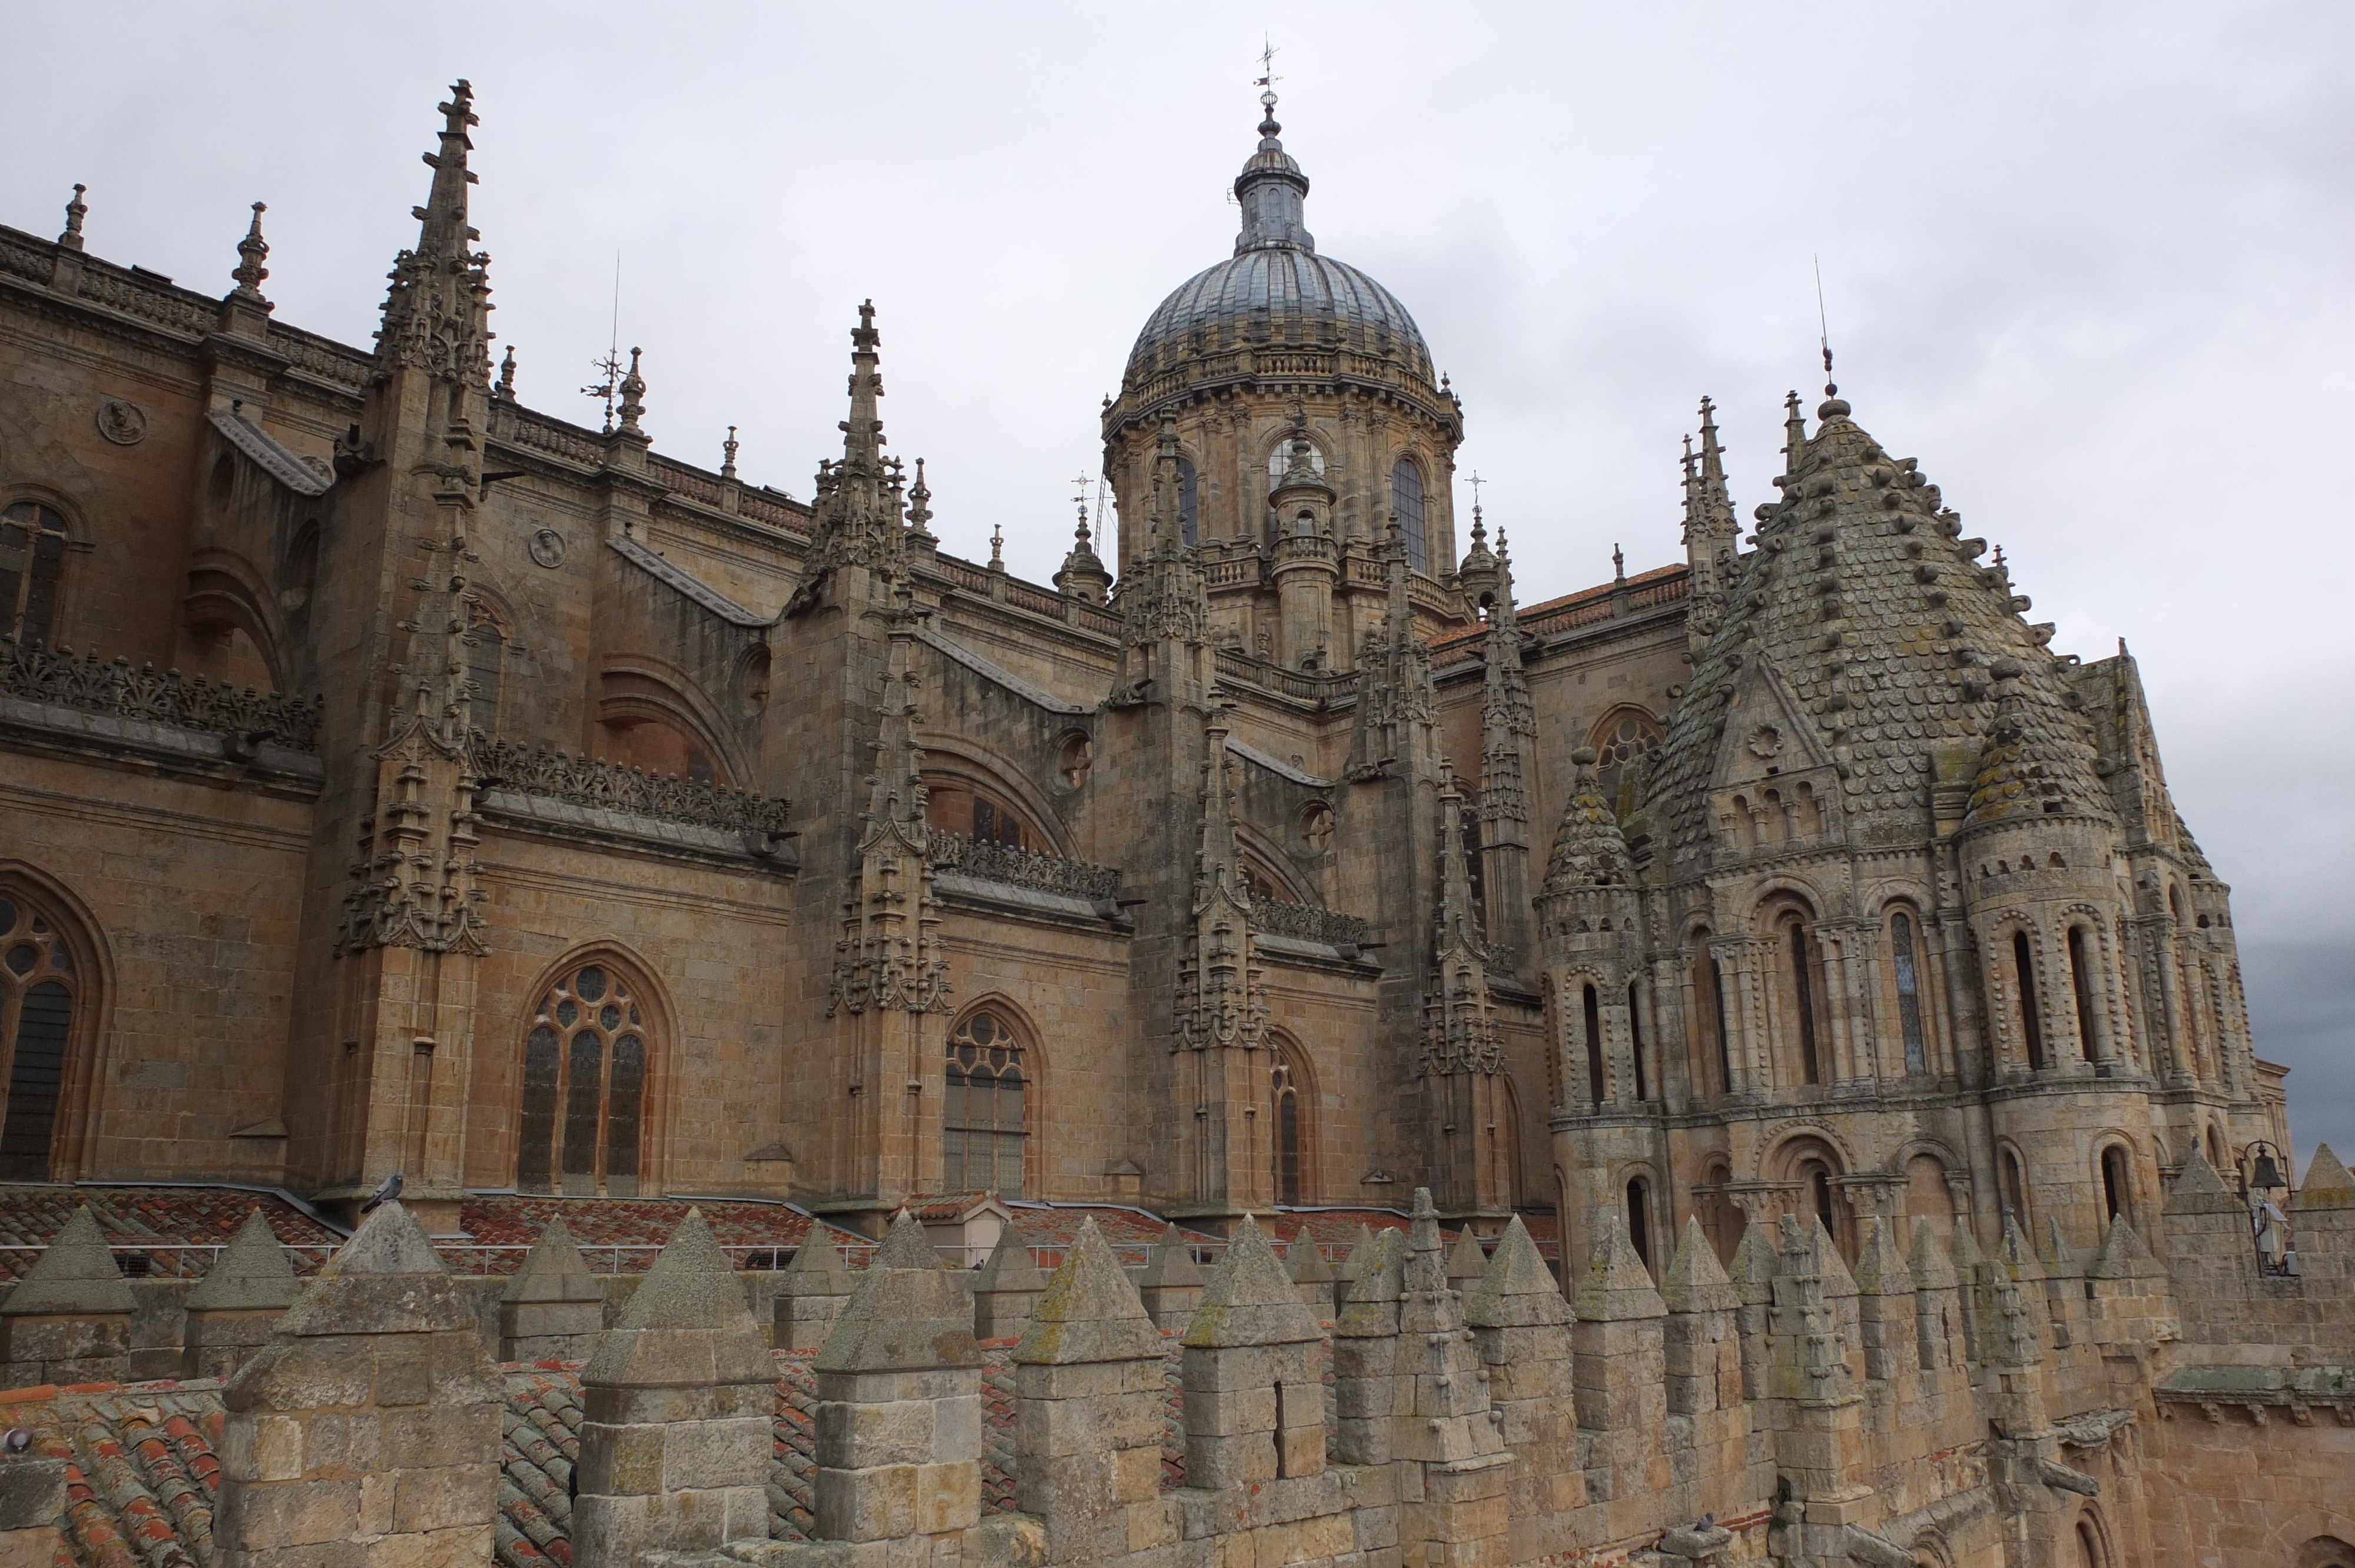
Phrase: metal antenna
(1823, 325)
(612, 364)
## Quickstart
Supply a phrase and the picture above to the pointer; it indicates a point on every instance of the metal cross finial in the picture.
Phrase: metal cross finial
(1476, 482)
(1080, 488)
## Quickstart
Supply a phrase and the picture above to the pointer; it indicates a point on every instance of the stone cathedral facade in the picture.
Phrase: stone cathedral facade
(398, 778)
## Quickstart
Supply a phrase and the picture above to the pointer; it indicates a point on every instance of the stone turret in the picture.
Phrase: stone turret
(1171, 1284)
(1254, 1391)
(811, 1292)
(233, 1310)
(899, 1412)
(680, 1397)
(1007, 1288)
(69, 1320)
(554, 1308)
(368, 1428)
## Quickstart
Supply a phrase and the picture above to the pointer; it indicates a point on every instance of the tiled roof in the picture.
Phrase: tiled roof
(636, 1227)
(182, 1224)
(1130, 1231)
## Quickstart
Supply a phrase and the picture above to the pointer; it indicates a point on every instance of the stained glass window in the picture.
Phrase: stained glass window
(983, 1123)
(32, 560)
(1406, 502)
(584, 1086)
(37, 1006)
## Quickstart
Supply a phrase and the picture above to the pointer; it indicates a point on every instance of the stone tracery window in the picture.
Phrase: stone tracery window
(32, 561)
(584, 1088)
(1619, 740)
(982, 1125)
(1406, 502)
(39, 989)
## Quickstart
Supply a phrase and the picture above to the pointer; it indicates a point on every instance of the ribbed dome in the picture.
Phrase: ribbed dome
(1276, 290)
(1279, 294)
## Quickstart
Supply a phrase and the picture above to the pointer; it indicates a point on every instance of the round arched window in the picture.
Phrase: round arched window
(584, 1088)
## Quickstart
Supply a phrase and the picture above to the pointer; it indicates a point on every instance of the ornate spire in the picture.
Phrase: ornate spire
(633, 398)
(1083, 570)
(505, 391)
(75, 210)
(727, 452)
(1221, 997)
(1589, 849)
(1508, 728)
(436, 314)
(858, 506)
(2035, 762)
(891, 956)
(251, 252)
(1273, 191)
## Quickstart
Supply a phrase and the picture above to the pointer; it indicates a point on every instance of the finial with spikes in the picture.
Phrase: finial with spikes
(251, 252)
(505, 391)
(997, 547)
(728, 455)
(633, 398)
(920, 503)
(75, 210)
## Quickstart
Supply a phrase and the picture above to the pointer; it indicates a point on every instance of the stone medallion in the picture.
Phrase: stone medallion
(122, 422)
(548, 548)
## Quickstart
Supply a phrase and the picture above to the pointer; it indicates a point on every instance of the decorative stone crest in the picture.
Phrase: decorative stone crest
(122, 421)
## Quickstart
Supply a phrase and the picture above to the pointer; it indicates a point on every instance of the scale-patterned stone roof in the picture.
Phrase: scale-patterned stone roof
(1889, 634)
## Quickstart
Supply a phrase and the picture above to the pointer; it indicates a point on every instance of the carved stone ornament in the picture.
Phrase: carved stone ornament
(548, 548)
(122, 422)
(1765, 741)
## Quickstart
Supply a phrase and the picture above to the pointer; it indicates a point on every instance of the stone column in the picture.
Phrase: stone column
(69, 1320)
(1254, 1408)
(810, 1292)
(367, 1431)
(1007, 1289)
(1521, 1324)
(554, 1308)
(234, 1309)
(1885, 1317)
(1702, 1361)
(1621, 1381)
(1091, 1381)
(899, 1410)
(1365, 1352)
(681, 1401)
(1312, 1277)
(1452, 1515)
(1171, 1283)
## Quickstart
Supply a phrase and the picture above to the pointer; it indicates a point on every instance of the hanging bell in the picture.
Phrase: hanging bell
(2267, 1176)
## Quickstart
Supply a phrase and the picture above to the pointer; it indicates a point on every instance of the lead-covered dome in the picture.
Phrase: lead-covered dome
(1276, 291)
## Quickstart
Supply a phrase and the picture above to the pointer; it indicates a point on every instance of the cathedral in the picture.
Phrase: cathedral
(409, 789)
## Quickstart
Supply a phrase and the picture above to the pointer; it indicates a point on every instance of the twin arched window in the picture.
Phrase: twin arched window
(38, 987)
(983, 1127)
(1406, 503)
(32, 561)
(584, 1088)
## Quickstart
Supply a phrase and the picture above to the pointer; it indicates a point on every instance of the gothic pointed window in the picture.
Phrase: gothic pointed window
(1286, 1098)
(39, 984)
(1406, 504)
(486, 648)
(1622, 737)
(983, 1123)
(1906, 961)
(32, 564)
(1190, 502)
(584, 1087)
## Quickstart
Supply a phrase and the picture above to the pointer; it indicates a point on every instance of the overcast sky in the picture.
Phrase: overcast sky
(2089, 263)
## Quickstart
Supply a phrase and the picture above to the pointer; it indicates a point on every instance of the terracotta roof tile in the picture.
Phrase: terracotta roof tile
(181, 1225)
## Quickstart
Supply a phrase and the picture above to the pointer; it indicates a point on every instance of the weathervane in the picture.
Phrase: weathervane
(1476, 482)
(1823, 329)
(611, 365)
(1267, 53)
